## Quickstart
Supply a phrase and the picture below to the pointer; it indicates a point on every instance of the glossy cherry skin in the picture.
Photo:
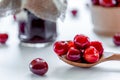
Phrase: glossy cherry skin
(91, 55)
(60, 47)
(73, 54)
(95, 2)
(116, 39)
(38, 66)
(81, 41)
(118, 1)
(70, 44)
(108, 3)
(3, 38)
(98, 46)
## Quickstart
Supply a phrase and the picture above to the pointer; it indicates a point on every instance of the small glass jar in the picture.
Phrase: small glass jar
(8, 7)
(38, 29)
(36, 32)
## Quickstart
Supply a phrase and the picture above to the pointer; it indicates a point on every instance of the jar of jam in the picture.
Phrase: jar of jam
(38, 21)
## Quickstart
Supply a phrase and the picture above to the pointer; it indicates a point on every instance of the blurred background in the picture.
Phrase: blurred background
(15, 58)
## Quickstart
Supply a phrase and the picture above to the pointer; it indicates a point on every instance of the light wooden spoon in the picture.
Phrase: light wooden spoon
(106, 57)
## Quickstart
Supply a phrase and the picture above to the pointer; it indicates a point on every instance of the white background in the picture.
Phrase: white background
(15, 59)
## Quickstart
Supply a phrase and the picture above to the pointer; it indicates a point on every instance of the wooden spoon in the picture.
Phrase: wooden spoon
(106, 57)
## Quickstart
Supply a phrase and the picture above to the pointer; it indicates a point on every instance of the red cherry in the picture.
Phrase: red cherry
(38, 66)
(108, 3)
(73, 54)
(98, 46)
(60, 47)
(3, 38)
(14, 17)
(91, 55)
(116, 39)
(81, 41)
(70, 44)
(74, 12)
(95, 2)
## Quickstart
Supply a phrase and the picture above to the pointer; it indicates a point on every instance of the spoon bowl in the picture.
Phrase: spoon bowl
(107, 57)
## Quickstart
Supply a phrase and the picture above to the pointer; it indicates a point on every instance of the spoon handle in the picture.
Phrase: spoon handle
(114, 57)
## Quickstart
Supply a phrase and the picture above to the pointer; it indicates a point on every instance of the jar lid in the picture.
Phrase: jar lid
(46, 9)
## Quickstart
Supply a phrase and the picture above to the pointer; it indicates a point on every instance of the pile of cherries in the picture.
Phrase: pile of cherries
(106, 3)
(80, 49)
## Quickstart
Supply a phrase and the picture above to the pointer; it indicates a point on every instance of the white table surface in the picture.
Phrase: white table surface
(15, 59)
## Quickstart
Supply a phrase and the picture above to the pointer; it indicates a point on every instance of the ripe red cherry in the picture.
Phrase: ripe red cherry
(70, 43)
(108, 3)
(73, 54)
(81, 41)
(98, 46)
(116, 39)
(61, 47)
(14, 17)
(38, 66)
(3, 38)
(95, 2)
(91, 55)
(74, 12)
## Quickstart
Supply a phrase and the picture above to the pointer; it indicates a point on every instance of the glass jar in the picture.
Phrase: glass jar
(38, 26)
(8, 7)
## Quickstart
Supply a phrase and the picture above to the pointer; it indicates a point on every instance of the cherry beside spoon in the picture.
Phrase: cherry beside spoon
(106, 57)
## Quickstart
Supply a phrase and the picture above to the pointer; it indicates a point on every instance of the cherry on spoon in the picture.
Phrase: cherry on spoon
(106, 57)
